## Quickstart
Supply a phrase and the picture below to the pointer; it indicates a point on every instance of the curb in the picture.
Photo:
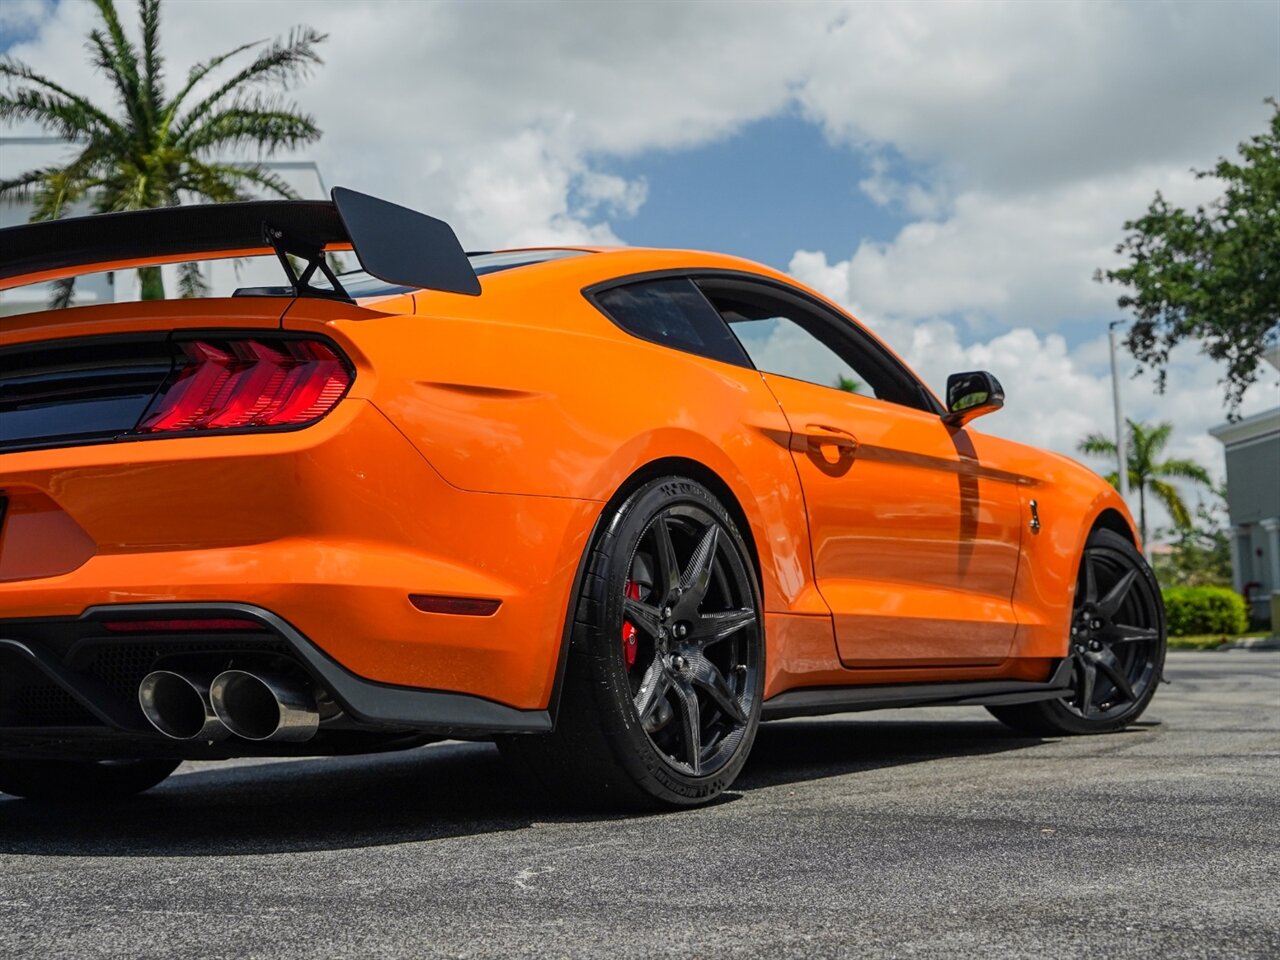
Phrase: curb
(1253, 643)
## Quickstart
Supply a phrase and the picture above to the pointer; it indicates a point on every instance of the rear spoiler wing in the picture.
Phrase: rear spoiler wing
(394, 244)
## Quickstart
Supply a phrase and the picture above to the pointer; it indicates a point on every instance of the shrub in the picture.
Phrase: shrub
(1198, 610)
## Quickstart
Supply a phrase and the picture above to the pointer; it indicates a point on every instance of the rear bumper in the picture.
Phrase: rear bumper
(71, 683)
(327, 531)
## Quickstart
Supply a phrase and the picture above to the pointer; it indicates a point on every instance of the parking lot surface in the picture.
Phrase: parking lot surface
(927, 833)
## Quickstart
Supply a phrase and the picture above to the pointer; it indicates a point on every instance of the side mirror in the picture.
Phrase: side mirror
(971, 395)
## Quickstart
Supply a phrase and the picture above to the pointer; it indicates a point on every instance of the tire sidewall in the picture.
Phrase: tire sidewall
(598, 635)
(1058, 713)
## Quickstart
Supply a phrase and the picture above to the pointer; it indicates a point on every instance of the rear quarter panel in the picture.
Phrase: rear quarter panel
(530, 390)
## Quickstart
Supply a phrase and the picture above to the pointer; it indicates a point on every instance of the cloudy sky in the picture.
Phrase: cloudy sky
(952, 172)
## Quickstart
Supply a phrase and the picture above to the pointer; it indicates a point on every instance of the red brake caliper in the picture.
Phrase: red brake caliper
(632, 592)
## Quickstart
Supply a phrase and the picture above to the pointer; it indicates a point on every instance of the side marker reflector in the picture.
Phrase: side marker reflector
(461, 606)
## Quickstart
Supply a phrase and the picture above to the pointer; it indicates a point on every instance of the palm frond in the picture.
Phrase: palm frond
(22, 186)
(191, 281)
(263, 122)
(1097, 443)
(282, 63)
(210, 183)
(62, 293)
(139, 157)
(198, 73)
(105, 59)
(1168, 494)
(117, 57)
(1184, 470)
(17, 70)
(58, 190)
(55, 113)
(1150, 440)
(250, 173)
(152, 61)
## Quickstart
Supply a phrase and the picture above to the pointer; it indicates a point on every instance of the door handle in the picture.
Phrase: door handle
(821, 435)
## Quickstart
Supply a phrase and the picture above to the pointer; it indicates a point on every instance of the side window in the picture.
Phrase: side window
(780, 345)
(785, 335)
(672, 312)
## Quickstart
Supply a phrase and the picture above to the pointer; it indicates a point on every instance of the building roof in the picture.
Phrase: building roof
(1249, 428)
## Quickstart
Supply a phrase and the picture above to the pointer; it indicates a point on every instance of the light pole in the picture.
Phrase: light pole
(1122, 439)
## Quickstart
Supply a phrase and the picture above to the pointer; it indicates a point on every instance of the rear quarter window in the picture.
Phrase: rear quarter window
(672, 312)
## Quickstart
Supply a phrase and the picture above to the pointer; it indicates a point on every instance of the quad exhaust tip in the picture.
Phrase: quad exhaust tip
(179, 706)
(264, 706)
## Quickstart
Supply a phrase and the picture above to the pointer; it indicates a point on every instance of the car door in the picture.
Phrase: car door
(915, 542)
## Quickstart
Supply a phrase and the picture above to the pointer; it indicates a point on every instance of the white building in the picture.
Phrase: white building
(18, 154)
(1252, 447)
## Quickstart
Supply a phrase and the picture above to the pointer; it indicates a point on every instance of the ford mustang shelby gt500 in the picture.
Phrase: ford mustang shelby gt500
(610, 508)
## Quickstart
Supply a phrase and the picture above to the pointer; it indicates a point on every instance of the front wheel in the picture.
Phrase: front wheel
(661, 696)
(1118, 641)
(81, 781)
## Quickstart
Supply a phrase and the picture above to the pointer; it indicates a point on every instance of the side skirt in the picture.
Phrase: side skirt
(817, 701)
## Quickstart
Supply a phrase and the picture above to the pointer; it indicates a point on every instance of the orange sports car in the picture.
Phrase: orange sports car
(610, 508)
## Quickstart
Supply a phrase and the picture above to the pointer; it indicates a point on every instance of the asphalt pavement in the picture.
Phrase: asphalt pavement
(926, 833)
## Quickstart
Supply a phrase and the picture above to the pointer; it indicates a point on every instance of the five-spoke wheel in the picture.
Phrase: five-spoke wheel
(1117, 645)
(661, 697)
(691, 601)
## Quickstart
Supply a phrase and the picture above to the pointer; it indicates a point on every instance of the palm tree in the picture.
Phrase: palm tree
(154, 150)
(1145, 473)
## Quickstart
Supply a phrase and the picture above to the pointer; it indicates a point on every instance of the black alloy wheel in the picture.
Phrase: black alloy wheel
(661, 697)
(1117, 645)
(696, 667)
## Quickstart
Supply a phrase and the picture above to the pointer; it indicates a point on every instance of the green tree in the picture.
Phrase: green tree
(1211, 276)
(847, 384)
(1147, 473)
(150, 149)
(1199, 553)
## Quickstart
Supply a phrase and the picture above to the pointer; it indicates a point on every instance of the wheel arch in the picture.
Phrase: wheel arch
(1113, 520)
(653, 469)
(694, 470)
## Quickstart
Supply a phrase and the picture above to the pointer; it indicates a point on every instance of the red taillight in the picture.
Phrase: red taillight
(244, 384)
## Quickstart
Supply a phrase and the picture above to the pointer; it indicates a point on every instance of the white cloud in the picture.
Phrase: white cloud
(492, 114)
(1032, 131)
(1015, 96)
(19, 16)
(417, 98)
(1000, 260)
(890, 191)
(610, 194)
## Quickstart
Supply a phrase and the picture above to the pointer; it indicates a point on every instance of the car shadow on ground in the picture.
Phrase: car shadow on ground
(804, 750)
(439, 791)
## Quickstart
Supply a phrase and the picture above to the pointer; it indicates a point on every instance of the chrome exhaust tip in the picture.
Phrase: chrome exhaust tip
(178, 705)
(264, 706)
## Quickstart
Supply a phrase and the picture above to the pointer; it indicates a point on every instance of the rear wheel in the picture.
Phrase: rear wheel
(1117, 645)
(661, 696)
(81, 781)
